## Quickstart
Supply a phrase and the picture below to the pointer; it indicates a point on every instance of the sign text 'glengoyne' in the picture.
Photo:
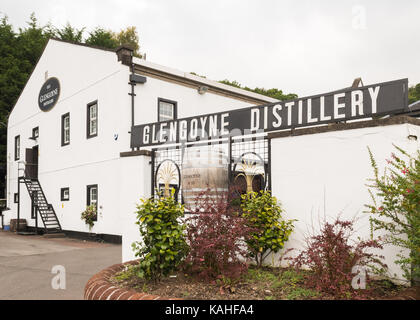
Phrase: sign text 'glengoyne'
(346, 104)
(49, 94)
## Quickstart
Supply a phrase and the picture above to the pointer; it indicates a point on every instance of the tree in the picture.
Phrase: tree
(70, 33)
(20, 51)
(273, 92)
(396, 207)
(13, 74)
(129, 37)
(102, 38)
(414, 93)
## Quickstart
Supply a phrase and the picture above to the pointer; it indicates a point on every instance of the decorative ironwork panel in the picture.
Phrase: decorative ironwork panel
(242, 163)
(250, 164)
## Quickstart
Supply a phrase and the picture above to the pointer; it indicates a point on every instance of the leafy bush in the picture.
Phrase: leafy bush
(331, 258)
(398, 213)
(89, 216)
(270, 232)
(163, 246)
(216, 237)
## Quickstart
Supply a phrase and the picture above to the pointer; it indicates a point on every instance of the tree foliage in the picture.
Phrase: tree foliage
(70, 33)
(273, 92)
(414, 93)
(396, 207)
(102, 38)
(129, 37)
(20, 51)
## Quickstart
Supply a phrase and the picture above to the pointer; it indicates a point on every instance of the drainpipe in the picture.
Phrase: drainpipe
(125, 55)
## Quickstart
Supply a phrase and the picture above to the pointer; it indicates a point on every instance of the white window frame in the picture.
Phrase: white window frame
(162, 114)
(92, 120)
(17, 147)
(65, 122)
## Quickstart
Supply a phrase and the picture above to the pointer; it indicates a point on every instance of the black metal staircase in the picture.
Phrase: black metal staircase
(45, 210)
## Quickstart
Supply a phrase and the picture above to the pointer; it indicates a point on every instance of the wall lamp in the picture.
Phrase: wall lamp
(202, 89)
(135, 78)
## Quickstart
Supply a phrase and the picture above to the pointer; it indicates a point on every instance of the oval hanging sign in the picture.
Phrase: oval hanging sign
(48, 95)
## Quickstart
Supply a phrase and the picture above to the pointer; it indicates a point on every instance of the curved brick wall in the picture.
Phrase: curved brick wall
(100, 288)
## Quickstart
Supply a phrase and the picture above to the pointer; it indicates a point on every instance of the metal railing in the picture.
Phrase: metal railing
(24, 168)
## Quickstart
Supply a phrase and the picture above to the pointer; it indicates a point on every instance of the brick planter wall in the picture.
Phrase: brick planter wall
(99, 287)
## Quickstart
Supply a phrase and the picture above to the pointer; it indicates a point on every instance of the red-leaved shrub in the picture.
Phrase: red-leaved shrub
(216, 235)
(331, 257)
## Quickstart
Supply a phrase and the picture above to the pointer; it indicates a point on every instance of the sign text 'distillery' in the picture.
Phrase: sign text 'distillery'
(347, 104)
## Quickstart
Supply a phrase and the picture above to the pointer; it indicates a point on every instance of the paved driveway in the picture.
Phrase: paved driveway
(27, 262)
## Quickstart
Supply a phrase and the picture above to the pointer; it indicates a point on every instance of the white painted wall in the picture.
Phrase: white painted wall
(190, 102)
(333, 166)
(135, 172)
(323, 175)
(85, 75)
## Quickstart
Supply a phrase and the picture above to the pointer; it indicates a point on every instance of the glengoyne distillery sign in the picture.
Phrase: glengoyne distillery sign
(49, 94)
(346, 104)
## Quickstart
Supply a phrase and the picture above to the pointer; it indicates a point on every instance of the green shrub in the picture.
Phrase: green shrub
(163, 246)
(270, 231)
(398, 210)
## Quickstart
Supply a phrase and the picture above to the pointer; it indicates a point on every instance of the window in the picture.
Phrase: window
(17, 147)
(167, 110)
(92, 119)
(92, 195)
(16, 198)
(35, 133)
(65, 129)
(65, 194)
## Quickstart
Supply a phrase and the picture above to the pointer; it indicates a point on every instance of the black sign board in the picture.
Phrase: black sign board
(346, 104)
(49, 94)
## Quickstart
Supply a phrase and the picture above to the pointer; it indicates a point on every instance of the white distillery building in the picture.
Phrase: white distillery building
(102, 127)
(69, 132)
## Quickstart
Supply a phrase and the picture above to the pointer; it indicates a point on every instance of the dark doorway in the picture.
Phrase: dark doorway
(31, 158)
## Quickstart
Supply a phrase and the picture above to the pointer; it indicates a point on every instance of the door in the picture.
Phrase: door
(35, 162)
(31, 158)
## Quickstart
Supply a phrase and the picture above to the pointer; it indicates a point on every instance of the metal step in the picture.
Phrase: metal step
(45, 210)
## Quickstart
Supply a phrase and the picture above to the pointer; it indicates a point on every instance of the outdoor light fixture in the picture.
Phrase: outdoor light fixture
(135, 78)
(202, 89)
(412, 137)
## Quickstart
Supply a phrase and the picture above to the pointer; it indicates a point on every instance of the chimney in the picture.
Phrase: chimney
(125, 55)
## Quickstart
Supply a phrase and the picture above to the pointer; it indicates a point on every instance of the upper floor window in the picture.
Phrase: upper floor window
(65, 129)
(92, 119)
(167, 110)
(17, 147)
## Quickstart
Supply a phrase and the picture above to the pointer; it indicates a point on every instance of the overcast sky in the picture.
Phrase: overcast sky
(302, 46)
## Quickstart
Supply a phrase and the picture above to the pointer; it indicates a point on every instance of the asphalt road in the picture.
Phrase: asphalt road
(36, 268)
